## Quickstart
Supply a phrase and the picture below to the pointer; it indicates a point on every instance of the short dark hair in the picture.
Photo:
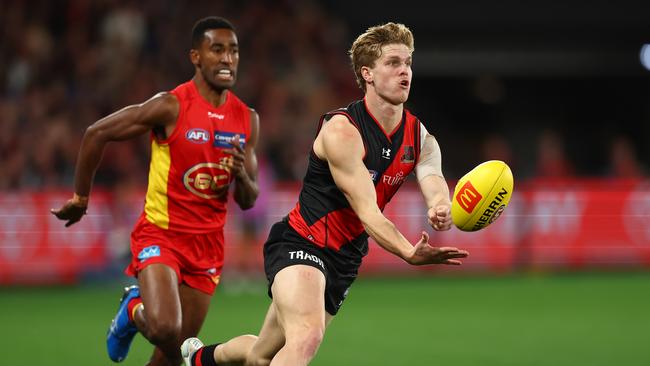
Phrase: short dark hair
(208, 23)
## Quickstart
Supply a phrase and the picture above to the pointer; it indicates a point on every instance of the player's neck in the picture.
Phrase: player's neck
(211, 95)
(387, 114)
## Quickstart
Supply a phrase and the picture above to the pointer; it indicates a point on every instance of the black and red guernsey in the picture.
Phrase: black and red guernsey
(323, 215)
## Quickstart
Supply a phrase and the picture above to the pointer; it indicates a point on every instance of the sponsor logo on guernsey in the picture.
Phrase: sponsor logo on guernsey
(197, 136)
(222, 139)
(208, 180)
(399, 178)
(409, 155)
(468, 197)
(385, 153)
(216, 115)
(373, 175)
(301, 255)
(149, 252)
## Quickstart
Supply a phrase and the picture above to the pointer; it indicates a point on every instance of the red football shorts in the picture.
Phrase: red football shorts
(197, 259)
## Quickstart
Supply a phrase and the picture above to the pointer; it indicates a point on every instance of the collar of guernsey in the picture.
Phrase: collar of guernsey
(188, 176)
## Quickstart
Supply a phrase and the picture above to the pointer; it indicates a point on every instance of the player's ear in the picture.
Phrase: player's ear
(195, 57)
(366, 74)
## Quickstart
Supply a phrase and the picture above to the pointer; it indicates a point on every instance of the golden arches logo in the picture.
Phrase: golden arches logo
(468, 197)
(208, 180)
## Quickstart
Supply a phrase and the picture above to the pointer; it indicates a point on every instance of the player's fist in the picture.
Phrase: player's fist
(236, 161)
(440, 217)
(72, 211)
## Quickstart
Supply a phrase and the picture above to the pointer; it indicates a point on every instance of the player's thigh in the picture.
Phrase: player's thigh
(298, 297)
(195, 305)
(160, 294)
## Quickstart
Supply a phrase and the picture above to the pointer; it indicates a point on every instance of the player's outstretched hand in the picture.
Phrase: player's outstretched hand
(236, 164)
(423, 253)
(440, 217)
(72, 211)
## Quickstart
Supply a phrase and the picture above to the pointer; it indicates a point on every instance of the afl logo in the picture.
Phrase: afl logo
(197, 136)
(208, 180)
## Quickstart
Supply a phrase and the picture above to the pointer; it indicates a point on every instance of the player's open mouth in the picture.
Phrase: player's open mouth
(225, 74)
(404, 83)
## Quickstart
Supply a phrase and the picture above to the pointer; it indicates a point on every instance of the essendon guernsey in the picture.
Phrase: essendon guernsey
(323, 215)
(188, 175)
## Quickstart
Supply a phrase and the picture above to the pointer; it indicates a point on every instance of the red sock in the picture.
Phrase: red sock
(132, 305)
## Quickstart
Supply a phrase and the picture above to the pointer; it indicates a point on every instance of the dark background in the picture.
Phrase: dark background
(554, 89)
(518, 68)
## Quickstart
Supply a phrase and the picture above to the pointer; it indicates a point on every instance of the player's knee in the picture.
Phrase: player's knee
(307, 341)
(163, 331)
(312, 341)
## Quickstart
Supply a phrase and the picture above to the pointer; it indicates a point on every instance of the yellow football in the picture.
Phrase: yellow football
(481, 195)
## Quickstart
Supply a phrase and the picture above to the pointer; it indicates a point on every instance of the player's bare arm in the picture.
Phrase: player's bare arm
(244, 166)
(340, 144)
(433, 185)
(159, 112)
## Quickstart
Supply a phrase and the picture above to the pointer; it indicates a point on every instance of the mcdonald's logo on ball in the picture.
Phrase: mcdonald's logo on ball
(481, 195)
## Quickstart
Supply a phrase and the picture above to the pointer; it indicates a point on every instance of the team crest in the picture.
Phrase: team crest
(409, 155)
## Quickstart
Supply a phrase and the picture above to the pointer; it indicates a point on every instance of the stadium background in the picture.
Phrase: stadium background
(556, 90)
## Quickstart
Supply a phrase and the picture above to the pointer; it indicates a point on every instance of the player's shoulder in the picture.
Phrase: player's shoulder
(338, 140)
(253, 113)
(166, 99)
(339, 128)
(164, 108)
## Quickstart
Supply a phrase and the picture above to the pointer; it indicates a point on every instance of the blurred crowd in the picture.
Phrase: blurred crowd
(65, 64)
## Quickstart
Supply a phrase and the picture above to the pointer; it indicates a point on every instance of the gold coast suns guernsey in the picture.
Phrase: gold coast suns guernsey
(323, 215)
(188, 176)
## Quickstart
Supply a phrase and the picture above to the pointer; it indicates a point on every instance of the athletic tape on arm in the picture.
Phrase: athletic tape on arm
(430, 161)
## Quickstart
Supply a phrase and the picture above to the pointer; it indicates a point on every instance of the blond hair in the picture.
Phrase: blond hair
(366, 49)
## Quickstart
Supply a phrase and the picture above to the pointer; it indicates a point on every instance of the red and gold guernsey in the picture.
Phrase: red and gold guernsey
(188, 175)
(323, 215)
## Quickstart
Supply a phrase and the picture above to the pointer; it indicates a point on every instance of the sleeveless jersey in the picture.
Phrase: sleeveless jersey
(188, 176)
(323, 215)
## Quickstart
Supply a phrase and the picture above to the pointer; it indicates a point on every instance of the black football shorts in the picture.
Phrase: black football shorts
(285, 247)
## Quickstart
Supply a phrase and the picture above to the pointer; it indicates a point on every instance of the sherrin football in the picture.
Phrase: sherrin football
(481, 195)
